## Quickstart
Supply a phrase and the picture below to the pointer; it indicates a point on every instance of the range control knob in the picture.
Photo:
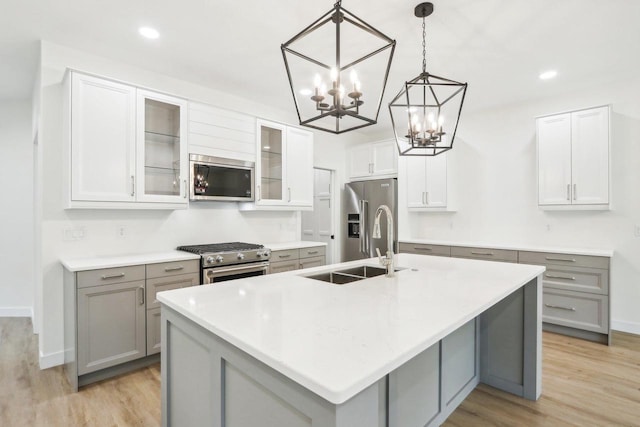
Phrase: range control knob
(210, 260)
(240, 256)
(266, 253)
(219, 259)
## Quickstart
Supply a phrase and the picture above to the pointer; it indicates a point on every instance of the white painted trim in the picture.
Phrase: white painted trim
(16, 312)
(624, 326)
(52, 359)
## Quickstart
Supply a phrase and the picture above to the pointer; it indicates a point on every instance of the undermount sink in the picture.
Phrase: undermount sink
(348, 275)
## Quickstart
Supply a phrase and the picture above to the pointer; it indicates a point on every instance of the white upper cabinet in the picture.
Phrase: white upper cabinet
(284, 168)
(162, 166)
(103, 134)
(573, 160)
(426, 182)
(126, 146)
(373, 160)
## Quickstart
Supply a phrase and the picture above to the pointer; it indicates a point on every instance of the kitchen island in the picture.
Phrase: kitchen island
(288, 350)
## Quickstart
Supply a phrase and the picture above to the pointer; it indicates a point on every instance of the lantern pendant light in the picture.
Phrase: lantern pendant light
(426, 111)
(324, 64)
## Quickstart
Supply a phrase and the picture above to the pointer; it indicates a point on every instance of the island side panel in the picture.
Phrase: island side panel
(207, 381)
(511, 342)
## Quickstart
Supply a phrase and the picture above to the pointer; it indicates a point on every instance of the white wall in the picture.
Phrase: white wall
(147, 231)
(494, 164)
(16, 214)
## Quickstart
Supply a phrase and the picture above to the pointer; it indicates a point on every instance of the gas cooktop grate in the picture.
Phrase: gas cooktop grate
(220, 247)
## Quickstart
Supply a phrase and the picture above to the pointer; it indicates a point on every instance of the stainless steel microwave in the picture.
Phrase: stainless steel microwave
(216, 178)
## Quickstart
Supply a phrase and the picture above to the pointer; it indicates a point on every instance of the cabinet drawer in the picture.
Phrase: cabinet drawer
(160, 284)
(315, 251)
(279, 267)
(284, 255)
(107, 276)
(173, 268)
(548, 258)
(579, 310)
(422, 249)
(484, 253)
(581, 279)
(312, 262)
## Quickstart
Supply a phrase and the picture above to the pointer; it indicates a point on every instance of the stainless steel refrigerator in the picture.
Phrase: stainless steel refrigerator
(362, 199)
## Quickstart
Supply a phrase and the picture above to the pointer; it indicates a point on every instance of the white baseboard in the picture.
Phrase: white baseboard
(16, 312)
(52, 359)
(628, 327)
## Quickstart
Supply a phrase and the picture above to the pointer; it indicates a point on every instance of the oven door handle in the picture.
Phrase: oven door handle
(237, 269)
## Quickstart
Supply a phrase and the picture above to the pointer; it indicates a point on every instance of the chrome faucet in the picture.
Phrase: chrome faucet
(386, 261)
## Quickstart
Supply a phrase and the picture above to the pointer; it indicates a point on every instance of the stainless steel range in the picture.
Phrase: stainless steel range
(227, 261)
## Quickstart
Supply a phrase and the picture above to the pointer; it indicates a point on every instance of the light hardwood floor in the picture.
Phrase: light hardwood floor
(584, 384)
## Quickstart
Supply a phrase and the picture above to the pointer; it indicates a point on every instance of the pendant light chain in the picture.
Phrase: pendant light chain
(424, 46)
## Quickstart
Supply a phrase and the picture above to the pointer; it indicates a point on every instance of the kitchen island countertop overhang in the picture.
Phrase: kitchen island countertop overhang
(336, 340)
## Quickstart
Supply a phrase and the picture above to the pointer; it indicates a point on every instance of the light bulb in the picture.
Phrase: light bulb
(357, 86)
(440, 120)
(334, 74)
(414, 118)
(354, 77)
(323, 89)
(317, 81)
(341, 92)
(430, 117)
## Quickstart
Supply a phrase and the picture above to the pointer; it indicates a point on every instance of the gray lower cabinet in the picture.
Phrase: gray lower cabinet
(576, 293)
(154, 342)
(424, 249)
(295, 259)
(111, 325)
(486, 254)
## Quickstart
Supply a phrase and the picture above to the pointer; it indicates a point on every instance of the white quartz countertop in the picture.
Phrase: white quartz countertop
(94, 263)
(559, 250)
(283, 246)
(336, 340)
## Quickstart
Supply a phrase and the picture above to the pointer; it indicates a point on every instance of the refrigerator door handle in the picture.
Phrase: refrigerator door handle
(363, 226)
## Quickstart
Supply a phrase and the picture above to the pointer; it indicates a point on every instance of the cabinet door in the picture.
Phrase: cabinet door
(590, 156)
(299, 170)
(154, 340)
(384, 157)
(103, 117)
(554, 160)
(416, 175)
(360, 161)
(270, 188)
(111, 325)
(436, 176)
(162, 166)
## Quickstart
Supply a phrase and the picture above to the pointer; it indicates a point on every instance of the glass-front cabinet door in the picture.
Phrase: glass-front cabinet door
(162, 157)
(269, 169)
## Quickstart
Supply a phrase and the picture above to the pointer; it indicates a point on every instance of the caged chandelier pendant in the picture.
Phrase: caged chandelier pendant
(426, 111)
(323, 64)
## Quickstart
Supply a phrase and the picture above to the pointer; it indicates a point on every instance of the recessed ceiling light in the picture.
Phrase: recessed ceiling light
(548, 75)
(148, 32)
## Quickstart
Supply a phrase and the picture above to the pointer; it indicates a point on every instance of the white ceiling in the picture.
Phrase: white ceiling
(498, 46)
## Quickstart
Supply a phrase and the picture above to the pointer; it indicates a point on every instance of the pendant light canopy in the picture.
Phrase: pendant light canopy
(324, 64)
(426, 111)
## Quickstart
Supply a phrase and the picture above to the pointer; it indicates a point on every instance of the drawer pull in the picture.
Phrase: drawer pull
(560, 259)
(482, 253)
(167, 269)
(422, 249)
(113, 276)
(284, 256)
(560, 307)
(141, 289)
(312, 252)
(551, 276)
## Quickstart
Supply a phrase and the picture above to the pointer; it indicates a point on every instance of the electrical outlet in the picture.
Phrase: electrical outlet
(74, 233)
(636, 230)
(121, 232)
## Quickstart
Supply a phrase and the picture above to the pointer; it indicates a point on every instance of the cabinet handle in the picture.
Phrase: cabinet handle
(312, 252)
(560, 307)
(133, 185)
(575, 191)
(289, 193)
(113, 276)
(568, 191)
(424, 202)
(482, 253)
(426, 197)
(560, 259)
(185, 189)
(284, 256)
(552, 276)
(422, 249)
(259, 193)
(141, 288)
(174, 268)
(370, 167)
